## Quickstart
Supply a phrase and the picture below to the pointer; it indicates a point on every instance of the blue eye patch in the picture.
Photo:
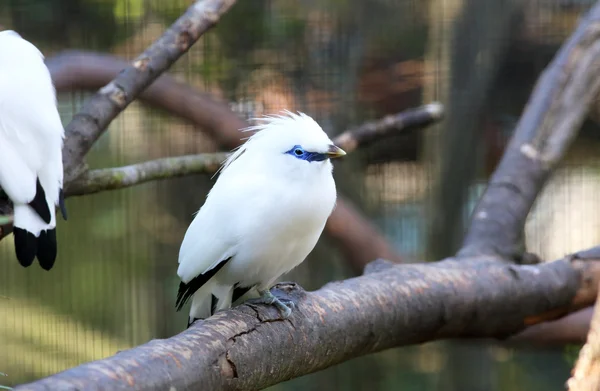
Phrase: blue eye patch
(299, 153)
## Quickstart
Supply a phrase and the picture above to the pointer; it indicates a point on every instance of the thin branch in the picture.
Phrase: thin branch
(99, 110)
(554, 114)
(94, 181)
(250, 347)
(369, 132)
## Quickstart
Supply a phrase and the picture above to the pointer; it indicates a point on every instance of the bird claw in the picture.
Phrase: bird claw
(284, 305)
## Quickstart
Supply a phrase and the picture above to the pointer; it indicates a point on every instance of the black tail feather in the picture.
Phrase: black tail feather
(25, 246)
(47, 249)
(61, 204)
(39, 203)
(187, 290)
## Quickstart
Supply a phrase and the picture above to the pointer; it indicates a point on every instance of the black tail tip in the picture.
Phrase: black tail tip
(25, 246)
(47, 249)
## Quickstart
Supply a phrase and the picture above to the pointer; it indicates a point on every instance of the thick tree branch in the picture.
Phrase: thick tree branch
(99, 110)
(554, 114)
(94, 181)
(250, 347)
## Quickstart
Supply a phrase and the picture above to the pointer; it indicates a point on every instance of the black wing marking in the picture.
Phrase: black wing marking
(39, 203)
(239, 292)
(187, 290)
(61, 204)
(213, 304)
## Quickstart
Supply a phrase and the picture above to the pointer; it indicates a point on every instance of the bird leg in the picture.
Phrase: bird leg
(284, 305)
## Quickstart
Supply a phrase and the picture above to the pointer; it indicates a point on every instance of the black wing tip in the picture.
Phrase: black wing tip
(25, 246)
(39, 203)
(187, 290)
(47, 249)
(180, 302)
(61, 204)
(191, 321)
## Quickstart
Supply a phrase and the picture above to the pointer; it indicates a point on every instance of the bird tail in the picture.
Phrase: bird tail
(35, 235)
(208, 300)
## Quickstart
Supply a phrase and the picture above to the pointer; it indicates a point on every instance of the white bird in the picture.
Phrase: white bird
(31, 138)
(262, 217)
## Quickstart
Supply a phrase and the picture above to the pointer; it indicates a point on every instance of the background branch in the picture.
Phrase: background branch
(554, 114)
(94, 181)
(250, 347)
(99, 110)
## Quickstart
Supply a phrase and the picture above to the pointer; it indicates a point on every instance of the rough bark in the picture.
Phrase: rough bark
(250, 347)
(553, 116)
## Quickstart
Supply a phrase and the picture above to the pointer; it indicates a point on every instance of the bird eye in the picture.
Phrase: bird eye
(298, 152)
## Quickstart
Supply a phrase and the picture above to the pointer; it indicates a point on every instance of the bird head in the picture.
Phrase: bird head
(288, 141)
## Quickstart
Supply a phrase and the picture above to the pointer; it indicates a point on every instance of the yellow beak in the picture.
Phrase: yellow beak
(334, 152)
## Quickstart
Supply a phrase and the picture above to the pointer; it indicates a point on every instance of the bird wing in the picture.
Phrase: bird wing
(209, 239)
(30, 128)
(214, 234)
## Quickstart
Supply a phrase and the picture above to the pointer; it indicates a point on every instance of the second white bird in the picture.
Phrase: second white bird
(261, 219)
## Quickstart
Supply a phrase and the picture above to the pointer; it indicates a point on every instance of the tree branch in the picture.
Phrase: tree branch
(94, 181)
(554, 114)
(250, 347)
(369, 132)
(80, 70)
(99, 110)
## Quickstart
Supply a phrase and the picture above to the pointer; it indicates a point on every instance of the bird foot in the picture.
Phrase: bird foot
(285, 306)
